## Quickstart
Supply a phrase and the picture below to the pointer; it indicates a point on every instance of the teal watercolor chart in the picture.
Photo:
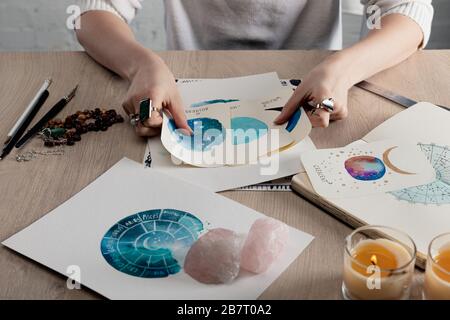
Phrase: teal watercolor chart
(230, 117)
(148, 244)
(208, 132)
(247, 129)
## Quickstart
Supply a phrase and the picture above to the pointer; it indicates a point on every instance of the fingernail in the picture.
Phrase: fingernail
(277, 120)
(186, 132)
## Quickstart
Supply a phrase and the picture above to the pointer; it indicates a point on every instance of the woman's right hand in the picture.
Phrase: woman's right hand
(153, 80)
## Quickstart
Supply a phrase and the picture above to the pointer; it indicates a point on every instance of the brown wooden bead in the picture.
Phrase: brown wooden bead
(49, 143)
(82, 122)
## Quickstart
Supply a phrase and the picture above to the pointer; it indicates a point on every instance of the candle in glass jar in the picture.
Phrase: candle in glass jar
(378, 269)
(437, 275)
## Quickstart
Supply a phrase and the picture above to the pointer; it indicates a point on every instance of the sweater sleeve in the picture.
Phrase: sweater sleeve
(421, 11)
(125, 9)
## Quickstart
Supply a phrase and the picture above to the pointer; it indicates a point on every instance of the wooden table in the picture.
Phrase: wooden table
(30, 190)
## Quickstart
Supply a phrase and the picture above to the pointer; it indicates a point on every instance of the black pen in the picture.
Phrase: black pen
(28, 110)
(24, 123)
(46, 118)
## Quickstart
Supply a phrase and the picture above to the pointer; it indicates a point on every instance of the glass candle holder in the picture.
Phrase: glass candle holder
(378, 264)
(437, 273)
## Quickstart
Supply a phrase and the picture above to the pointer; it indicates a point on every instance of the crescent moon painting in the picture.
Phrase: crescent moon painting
(391, 166)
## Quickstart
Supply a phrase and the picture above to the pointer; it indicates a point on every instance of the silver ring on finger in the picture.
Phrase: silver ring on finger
(315, 107)
(146, 108)
(134, 119)
(327, 105)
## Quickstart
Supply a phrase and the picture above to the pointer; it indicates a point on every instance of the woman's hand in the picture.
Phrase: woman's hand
(153, 79)
(323, 82)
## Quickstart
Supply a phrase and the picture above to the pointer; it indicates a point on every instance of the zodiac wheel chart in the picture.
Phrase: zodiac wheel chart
(152, 243)
(437, 192)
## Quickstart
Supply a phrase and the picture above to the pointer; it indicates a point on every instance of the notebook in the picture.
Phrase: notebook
(423, 212)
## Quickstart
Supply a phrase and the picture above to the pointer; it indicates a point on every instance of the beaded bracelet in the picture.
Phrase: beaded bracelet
(68, 132)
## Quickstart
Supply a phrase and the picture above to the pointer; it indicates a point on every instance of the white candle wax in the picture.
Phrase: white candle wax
(437, 276)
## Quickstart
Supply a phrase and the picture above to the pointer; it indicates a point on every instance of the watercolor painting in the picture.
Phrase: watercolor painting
(247, 129)
(387, 161)
(293, 120)
(152, 243)
(365, 168)
(368, 168)
(224, 125)
(211, 102)
(437, 192)
(208, 132)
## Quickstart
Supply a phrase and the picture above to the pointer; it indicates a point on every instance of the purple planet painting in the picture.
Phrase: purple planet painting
(366, 168)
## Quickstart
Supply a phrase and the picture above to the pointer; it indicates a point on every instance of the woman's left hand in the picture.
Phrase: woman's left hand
(323, 82)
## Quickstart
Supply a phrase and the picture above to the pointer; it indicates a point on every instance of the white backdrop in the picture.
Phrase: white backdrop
(39, 25)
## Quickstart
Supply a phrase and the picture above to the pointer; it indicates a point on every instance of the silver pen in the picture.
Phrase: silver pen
(27, 111)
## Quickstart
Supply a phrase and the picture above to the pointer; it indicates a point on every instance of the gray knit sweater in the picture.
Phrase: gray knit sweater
(259, 24)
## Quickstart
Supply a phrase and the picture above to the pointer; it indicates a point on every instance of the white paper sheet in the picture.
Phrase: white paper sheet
(422, 212)
(72, 234)
(226, 178)
(240, 88)
(224, 112)
(370, 168)
(234, 133)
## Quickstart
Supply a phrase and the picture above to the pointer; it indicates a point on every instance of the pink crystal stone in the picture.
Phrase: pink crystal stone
(214, 258)
(265, 242)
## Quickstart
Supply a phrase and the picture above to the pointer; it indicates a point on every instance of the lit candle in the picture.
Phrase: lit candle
(378, 268)
(437, 274)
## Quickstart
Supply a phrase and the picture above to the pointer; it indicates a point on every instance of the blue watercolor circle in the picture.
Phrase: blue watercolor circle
(208, 132)
(365, 168)
(247, 129)
(147, 244)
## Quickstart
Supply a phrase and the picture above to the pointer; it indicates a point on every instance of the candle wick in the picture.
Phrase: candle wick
(373, 260)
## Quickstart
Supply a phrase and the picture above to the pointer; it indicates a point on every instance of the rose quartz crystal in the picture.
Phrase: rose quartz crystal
(214, 258)
(265, 242)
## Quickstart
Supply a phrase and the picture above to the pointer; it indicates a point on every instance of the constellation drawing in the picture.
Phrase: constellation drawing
(437, 192)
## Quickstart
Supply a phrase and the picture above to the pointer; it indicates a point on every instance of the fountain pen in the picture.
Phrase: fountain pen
(46, 118)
